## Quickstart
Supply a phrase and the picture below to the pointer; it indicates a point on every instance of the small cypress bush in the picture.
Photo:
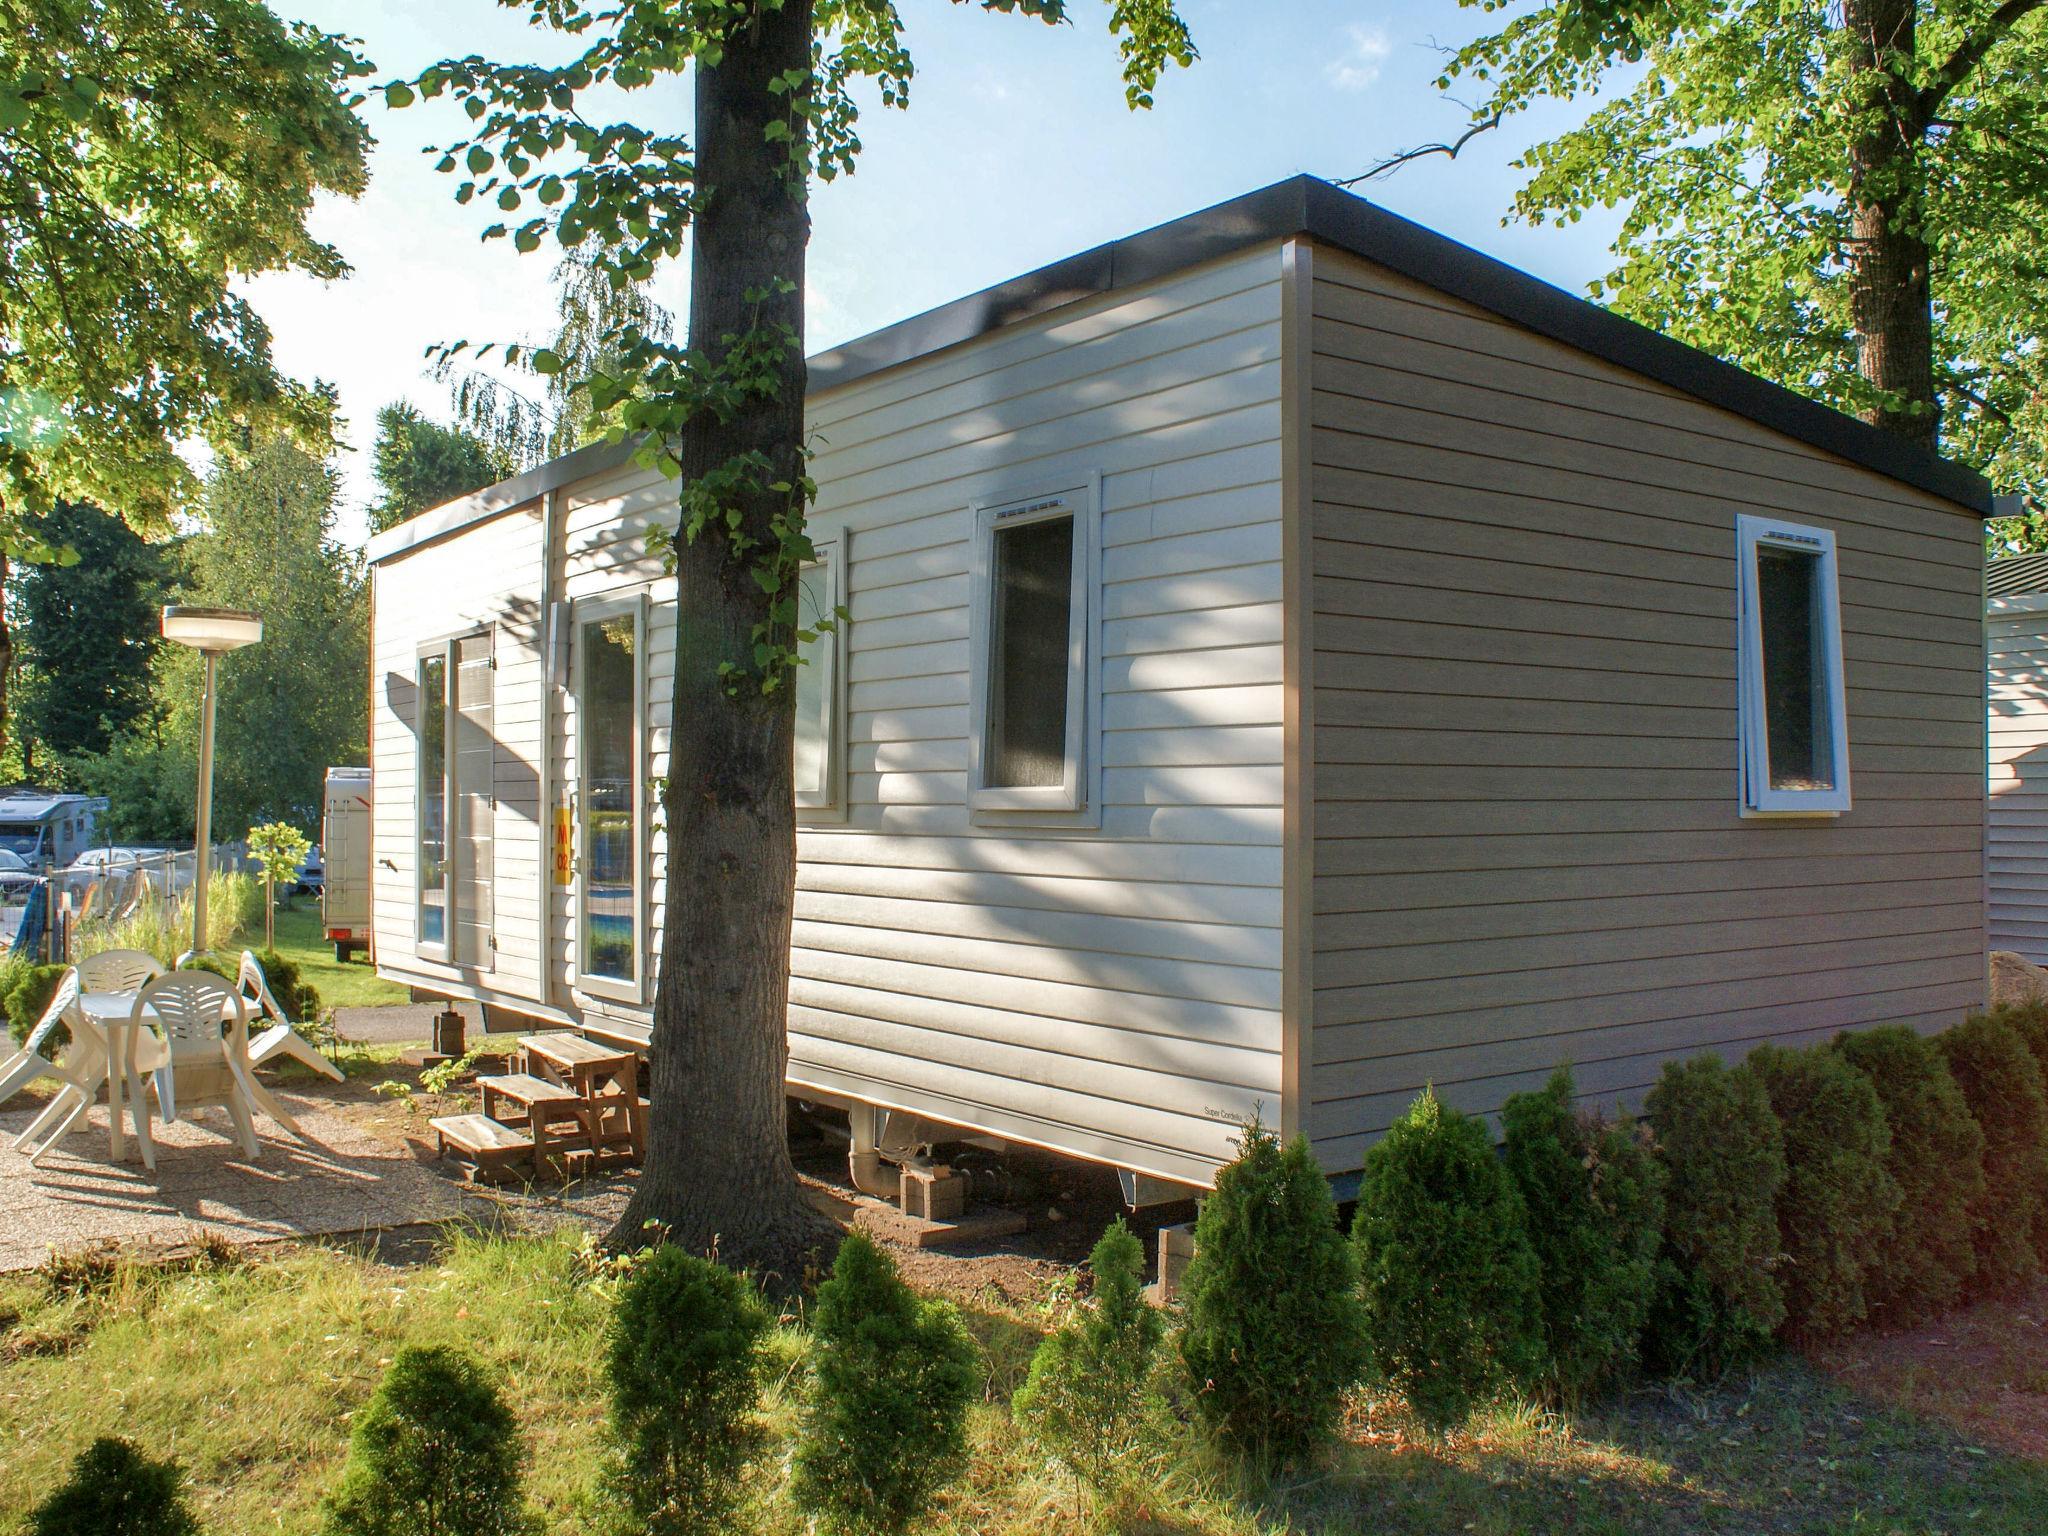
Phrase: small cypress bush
(1593, 1196)
(1274, 1330)
(1088, 1396)
(1937, 1160)
(1838, 1200)
(1450, 1280)
(2030, 1021)
(299, 998)
(1719, 1300)
(115, 1490)
(684, 1362)
(29, 992)
(892, 1377)
(435, 1452)
(2002, 1084)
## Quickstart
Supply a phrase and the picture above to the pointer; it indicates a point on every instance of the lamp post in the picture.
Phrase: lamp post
(212, 632)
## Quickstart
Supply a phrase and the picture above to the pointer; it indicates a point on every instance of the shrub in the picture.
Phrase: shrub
(1450, 1280)
(1088, 1394)
(1838, 1201)
(1937, 1160)
(435, 1452)
(684, 1361)
(299, 998)
(1274, 1331)
(28, 993)
(115, 1490)
(1718, 1298)
(892, 1375)
(2001, 1082)
(1593, 1199)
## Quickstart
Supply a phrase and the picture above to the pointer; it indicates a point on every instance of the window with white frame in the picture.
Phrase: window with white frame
(455, 764)
(816, 682)
(1793, 720)
(1028, 693)
(610, 642)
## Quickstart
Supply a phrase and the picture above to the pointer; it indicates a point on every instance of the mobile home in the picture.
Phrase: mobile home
(1293, 659)
(44, 829)
(2016, 643)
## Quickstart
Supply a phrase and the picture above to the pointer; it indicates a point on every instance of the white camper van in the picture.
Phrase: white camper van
(345, 845)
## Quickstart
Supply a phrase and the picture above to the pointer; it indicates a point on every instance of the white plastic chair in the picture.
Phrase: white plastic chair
(117, 970)
(203, 1065)
(81, 1071)
(282, 1037)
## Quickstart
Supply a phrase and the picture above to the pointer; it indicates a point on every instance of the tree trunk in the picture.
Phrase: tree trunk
(6, 655)
(1890, 291)
(718, 1173)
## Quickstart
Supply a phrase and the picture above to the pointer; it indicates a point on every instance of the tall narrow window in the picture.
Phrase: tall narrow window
(432, 852)
(610, 648)
(474, 809)
(1031, 657)
(817, 686)
(1793, 717)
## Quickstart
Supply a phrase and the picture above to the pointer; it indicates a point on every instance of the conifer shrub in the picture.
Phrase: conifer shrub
(1452, 1318)
(435, 1452)
(1937, 1160)
(299, 998)
(684, 1362)
(1593, 1199)
(1273, 1330)
(892, 1375)
(115, 1490)
(1719, 1300)
(2001, 1082)
(1089, 1395)
(1838, 1200)
(29, 990)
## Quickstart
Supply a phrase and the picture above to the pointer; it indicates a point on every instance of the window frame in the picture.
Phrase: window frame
(1073, 792)
(582, 614)
(829, 803)
(446, 649)
(1758, 797)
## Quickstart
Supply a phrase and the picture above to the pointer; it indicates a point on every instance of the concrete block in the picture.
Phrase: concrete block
(935, 1193)
(1176, 1249)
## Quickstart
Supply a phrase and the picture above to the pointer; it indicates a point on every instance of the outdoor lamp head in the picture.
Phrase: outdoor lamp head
(213, 630)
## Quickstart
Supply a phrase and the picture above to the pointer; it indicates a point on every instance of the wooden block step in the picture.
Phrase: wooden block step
(483, 1147)
(569, 1051)
(524, 1088)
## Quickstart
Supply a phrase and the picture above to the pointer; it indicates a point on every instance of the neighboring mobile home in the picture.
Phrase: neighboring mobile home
(1293, 659)
(2016, 643)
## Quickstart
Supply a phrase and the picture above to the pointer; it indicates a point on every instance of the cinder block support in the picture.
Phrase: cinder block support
(934, 1193)
(1176, 1249)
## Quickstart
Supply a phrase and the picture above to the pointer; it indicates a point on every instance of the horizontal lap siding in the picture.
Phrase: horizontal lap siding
(1112, 992)
(2018, 723)
(1527, 842)
(488, 575)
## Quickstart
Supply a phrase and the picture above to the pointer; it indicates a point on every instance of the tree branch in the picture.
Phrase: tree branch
(1449, 151)
(1970, 52)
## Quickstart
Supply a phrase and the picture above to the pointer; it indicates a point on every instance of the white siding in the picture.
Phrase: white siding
(1111, 990)
(2017, 643)
(487, 575)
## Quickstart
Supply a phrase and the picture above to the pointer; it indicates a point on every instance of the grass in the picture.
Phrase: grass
(249, 1372)
(354, 984)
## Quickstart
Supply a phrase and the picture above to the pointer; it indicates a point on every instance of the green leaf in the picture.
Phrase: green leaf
(479, 159)
(526, 239)
(509, 199)
(545, 360)
(398, 95)
(474, 106)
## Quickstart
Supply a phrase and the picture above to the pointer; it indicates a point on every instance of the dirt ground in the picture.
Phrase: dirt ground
(1983, 1371)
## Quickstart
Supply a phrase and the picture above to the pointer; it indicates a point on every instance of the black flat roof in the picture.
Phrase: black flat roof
(1303, 205)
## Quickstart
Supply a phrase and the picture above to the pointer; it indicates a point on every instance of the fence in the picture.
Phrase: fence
(39, 914)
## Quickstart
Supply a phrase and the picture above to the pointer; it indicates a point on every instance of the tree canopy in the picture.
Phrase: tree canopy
(1850, 199)
(419, 463)
(151, 155)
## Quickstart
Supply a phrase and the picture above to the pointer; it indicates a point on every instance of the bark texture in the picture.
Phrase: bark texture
(1891, 292)
(718, 1173)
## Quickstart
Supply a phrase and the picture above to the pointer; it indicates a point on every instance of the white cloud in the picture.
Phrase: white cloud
(1358, 66)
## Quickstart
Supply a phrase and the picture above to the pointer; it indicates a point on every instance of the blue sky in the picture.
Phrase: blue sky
(1016, 150)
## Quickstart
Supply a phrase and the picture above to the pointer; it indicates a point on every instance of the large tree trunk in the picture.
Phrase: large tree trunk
(718, 1171)
(6, 659)
(1891, 295)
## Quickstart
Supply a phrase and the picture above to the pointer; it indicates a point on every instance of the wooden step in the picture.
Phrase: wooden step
(484, 1148)
(570, 1051)
(524, 1088)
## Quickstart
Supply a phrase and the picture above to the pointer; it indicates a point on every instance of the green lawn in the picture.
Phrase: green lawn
(249, 1372)
(354, 985)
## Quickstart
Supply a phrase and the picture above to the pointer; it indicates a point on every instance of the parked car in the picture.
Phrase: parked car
(117, 858)
(312, 874)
